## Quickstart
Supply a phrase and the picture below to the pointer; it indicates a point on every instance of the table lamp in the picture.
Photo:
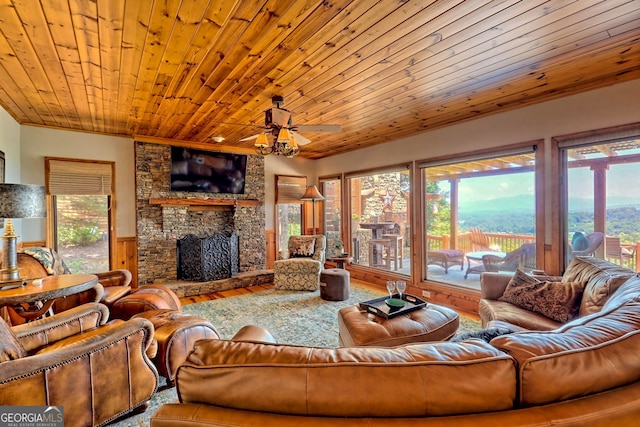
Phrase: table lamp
(312, 194)
(17, 201)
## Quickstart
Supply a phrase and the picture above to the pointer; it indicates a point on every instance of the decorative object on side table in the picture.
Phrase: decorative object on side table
(17, 201)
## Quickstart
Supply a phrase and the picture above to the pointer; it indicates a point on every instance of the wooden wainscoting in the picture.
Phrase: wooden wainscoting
(127, 257)
(270, 236)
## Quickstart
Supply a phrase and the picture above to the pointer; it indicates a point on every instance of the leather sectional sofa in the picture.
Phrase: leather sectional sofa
(583, 373)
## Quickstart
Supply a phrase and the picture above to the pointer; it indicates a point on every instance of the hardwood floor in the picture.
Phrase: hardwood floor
(261, 288)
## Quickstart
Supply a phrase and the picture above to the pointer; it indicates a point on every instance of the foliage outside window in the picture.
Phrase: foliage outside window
(82, 231)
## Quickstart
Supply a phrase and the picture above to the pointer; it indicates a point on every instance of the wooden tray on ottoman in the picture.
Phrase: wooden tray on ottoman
(380, 308)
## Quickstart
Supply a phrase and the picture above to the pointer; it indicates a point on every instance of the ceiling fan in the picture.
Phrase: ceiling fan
(286, 139)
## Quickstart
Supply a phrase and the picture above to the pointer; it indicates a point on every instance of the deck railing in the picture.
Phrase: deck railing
(506, 243)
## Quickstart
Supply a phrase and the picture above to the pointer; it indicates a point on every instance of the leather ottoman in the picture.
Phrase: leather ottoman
(360, 328)
(175, 333)
(334, 284)
(145, 298)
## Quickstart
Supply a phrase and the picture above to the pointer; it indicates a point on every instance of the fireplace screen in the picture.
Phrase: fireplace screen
(208, 258)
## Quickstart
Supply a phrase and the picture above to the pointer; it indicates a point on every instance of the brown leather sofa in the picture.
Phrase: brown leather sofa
(602, 279)
(585, 373)
(96, 370)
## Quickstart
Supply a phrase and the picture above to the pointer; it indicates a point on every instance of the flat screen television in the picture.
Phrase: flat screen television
(207, 171)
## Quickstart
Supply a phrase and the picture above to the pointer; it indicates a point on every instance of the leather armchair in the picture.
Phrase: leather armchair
(299, 268)
(97, 371)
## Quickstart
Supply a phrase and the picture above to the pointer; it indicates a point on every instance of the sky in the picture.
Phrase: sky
(622, 181)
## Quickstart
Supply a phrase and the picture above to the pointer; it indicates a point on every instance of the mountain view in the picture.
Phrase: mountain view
(516, 215)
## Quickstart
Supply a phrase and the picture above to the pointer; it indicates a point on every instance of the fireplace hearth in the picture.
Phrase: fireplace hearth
(208, 258)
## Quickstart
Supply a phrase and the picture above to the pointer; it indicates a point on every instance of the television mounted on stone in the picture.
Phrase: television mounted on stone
(207, 171)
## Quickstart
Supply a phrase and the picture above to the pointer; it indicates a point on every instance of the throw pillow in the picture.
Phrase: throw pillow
(302, 247)
(10, 346)
(559, 301)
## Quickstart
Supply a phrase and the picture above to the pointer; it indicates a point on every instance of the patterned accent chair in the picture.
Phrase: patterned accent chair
(299, 269)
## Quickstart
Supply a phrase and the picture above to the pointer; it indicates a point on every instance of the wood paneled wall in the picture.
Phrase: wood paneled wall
(127, 257)
(271, 248)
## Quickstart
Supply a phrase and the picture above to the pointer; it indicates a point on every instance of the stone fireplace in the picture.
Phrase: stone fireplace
(164, 216)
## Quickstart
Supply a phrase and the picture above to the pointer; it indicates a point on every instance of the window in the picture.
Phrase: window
(289, 190)
(601, 195)
(330, 189)
(479, 214)
(380, 206)
(80, 217)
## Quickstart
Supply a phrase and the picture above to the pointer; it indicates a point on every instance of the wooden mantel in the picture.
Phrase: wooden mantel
(230, 203)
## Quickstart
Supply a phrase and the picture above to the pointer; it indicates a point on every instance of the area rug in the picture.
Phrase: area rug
(293, 317)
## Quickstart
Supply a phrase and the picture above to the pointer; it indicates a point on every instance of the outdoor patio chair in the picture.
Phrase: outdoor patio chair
(523, 258)
(595, 239)
(615, 250)
(480, 241)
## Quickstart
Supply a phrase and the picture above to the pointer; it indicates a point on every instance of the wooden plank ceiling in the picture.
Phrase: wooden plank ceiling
(173, 69)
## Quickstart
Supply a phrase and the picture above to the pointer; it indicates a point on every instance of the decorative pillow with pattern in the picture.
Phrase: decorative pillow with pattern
(302, 247)
(559, 301)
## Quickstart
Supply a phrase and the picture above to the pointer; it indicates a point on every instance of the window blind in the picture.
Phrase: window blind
(67, 177)
(290, 189)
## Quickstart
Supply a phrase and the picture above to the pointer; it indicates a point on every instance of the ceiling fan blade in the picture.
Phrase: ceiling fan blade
(300, 140)
(250, 137)
(238, 124)
(318, 128)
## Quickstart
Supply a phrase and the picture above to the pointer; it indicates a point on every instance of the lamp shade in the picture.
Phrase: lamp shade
(312, 193)
(262, 141)
(22, 201)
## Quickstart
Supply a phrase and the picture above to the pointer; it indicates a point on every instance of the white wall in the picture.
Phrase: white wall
(10, 145)
(38, 142)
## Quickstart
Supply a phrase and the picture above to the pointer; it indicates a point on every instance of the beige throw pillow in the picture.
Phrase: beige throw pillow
(559, 301)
